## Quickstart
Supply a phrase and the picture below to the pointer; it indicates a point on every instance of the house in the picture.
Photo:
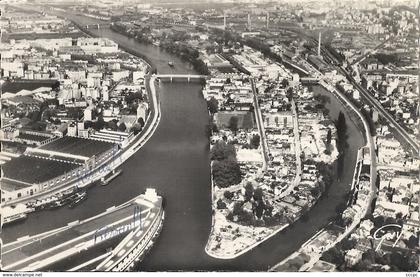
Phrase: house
(61, 130)
(372, 64)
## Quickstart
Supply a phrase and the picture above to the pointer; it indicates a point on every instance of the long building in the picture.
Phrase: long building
(61, 161)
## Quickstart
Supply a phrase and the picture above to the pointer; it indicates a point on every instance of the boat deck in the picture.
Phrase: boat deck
(43, 250)
(140, 237)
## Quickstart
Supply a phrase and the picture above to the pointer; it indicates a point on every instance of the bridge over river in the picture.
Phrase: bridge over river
(96, 26)
(188, 77)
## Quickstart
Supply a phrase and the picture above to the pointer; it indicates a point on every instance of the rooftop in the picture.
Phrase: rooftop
(30, 170)
(78, 146)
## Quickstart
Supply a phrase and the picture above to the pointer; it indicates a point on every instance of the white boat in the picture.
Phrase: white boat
(14, 213)
(79, 197)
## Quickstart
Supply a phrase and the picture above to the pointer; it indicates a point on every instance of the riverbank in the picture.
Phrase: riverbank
(311, 249)
(230, 248)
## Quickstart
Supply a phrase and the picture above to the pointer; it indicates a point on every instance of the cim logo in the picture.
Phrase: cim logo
(109, 232)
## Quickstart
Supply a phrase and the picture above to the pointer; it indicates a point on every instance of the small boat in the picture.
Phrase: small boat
(14, 213)
(60, 203)
(170, 63)
(112, 177)
(79, 197)
(14, 218)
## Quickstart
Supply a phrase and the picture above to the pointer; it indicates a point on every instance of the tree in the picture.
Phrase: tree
(221, 205)
(276, 120)
(226, 173)
(255, 141)
(289, 94)
(413, 242)
(284, 83)
(386, 58)
(369, 255)
(268, 210)
(213, 105)
(315, 192)
(136, 129)
(390, 220)
(396, 258)
(233, 124)
(341, 131)
(378, 221)
(140, 121)
(112, 125)
(333, 255)
(249, 191)
(329, 137)
(237, 208)
(348, 244)
(100, 123)
(362, 266)
(35, 116)
(259, 209)
(258, 195)
(221, 151)
(410, 262)
(214, 128)
(122, 127)
(228, 195)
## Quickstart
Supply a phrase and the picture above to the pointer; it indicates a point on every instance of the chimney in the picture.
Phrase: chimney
(268, 19)
(319, 45)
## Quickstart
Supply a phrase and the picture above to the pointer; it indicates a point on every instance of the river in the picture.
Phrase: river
(175, 161)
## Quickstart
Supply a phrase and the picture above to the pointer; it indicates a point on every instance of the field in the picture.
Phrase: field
(78, 146)
(245, 119)
(35, 170)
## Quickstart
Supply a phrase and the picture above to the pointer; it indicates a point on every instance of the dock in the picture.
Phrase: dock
(114, 175)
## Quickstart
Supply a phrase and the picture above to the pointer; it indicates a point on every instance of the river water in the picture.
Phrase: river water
(175, 161)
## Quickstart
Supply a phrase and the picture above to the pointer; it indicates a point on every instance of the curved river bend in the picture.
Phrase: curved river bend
(175, 162)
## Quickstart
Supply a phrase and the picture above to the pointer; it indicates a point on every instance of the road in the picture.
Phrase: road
(298, 151)
(260, 124)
